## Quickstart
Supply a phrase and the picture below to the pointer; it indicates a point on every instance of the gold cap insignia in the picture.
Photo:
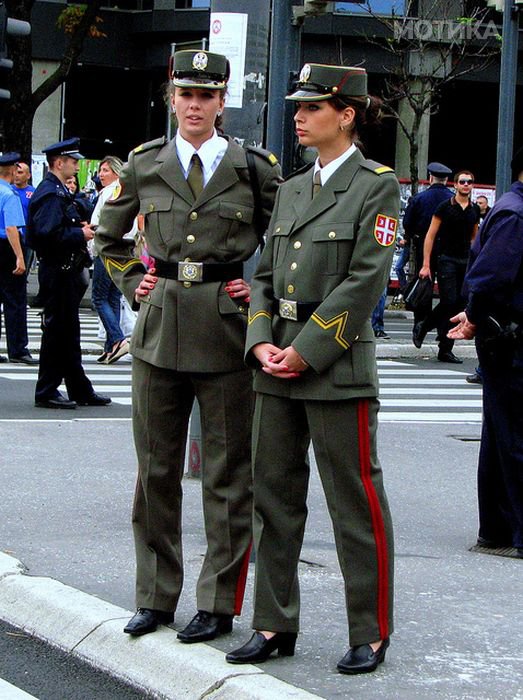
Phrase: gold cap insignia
(305, 73)
(199, 61)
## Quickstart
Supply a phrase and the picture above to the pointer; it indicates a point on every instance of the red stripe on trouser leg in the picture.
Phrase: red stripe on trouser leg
(378, 526)
(242, 580)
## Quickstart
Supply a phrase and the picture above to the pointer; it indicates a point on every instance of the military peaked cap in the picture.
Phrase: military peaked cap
(323, 82)
(9, 158)
(200, 69)
(64, 148)
(439, 170)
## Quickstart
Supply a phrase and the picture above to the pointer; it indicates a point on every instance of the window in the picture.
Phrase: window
(377, 7)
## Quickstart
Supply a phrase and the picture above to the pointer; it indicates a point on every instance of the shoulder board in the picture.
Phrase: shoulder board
(150, 144)
(376, 167)
(266, 155)
(301, 170)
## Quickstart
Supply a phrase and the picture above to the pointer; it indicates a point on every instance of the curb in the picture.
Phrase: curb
(91, 629)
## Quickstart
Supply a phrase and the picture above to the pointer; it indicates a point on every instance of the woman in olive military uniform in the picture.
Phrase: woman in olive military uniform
(197, 200)
(327, 260)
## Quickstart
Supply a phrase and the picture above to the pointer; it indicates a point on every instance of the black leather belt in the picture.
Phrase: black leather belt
(295, 310)
(198, 272)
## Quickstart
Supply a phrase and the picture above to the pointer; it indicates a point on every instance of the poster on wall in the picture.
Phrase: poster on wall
(228, 36)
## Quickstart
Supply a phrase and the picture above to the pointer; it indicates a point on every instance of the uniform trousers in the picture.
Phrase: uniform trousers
(13, 296)
(60, 350)
(343, 435)
(162, 402)
(500, 466)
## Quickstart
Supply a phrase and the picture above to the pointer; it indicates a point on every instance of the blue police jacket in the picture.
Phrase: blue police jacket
(11, 213)
(494, 280)
(420, 209)
(54, 230)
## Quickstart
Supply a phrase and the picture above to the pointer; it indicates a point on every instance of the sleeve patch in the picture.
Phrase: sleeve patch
(117, 192)
(385, 230)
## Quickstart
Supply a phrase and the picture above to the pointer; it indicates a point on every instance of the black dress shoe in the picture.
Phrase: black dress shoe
(418, 334)
(362, 659)
(449, 357)
(57, 402)
(474, 378)
(24, 360)
(259, 648)
(3, 359)
(205, 626)
(94, 400)
(146, 620)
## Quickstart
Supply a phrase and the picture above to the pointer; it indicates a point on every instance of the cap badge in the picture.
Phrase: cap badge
(199, 61)
(305, 73)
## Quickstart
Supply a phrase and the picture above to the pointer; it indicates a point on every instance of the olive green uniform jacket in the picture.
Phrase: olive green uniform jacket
(198, 327)
(335, 249)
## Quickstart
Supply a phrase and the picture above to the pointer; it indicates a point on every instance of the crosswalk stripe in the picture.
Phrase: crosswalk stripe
(11, 692)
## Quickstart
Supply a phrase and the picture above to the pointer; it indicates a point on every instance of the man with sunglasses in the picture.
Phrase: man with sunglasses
(454, 226)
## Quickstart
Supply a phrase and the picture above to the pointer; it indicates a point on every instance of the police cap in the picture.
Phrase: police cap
(517, 162)
(318, 81)
(64, 148)
(9, 158)
(200, 69)
(439, 170)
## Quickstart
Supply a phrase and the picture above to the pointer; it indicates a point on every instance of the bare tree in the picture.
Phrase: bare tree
(433, 44)
(78, 22)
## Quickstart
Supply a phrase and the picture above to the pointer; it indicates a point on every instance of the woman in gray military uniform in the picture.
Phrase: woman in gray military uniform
(326, 263)
(197, 199)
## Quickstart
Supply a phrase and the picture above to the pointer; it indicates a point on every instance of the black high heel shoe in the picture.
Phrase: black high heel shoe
(362, 659)
(259, 648)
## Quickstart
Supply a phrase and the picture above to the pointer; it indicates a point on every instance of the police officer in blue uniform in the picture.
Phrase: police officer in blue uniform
(59, 239)
(494, 315)
(417, 218)
(13, 284)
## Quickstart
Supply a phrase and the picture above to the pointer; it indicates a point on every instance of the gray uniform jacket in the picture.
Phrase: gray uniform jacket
(335, 250)
(189, 327)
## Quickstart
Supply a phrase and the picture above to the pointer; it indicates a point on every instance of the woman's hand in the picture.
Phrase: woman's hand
(283, 364)
(465, 330)
(146, 286)
(238, 289)
(425, 272)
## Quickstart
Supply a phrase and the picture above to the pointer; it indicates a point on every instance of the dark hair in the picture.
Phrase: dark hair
(463, 172)
(368, 115)
(168, 92)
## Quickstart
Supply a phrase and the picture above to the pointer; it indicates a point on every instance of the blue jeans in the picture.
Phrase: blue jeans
(106, 301)
(377, 315)
(400, 266)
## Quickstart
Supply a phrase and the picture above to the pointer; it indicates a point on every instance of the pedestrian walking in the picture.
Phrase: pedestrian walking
(325, 265)
(201, 203)
(452, 229)
(105, 295)
(494, 316)
(416, 222)
(13, 282)
(59, 238)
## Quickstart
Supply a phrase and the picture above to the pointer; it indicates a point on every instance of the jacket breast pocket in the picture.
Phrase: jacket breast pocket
(159, 215)
(232, 218)
(332, 245)
(280, 237)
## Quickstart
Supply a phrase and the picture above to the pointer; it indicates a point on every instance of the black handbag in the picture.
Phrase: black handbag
(418, 293)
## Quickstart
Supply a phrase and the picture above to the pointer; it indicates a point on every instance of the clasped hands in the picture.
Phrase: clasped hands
(283, 364)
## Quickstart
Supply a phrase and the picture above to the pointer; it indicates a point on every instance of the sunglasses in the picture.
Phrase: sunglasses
(465, 182)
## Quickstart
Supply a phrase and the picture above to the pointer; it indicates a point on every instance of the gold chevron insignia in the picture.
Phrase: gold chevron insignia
(259, 314)
(383, 169)
(339, 321)
(112, 263)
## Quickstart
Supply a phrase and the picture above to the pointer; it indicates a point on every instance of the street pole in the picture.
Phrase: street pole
(507, 96)
(284, 58)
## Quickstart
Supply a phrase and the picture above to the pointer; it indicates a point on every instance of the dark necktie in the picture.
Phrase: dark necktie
(316, 186)
(195, 177)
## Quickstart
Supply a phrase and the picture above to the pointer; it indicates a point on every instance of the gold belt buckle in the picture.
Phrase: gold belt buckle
(288, 309)
(190, 272)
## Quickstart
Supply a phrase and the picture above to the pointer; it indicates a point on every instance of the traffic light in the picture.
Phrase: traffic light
(317, 7)
(14, 27)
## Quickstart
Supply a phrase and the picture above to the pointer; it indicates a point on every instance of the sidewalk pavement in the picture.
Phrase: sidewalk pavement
(91, 629)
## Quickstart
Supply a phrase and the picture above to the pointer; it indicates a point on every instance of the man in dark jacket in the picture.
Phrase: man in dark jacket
(494, 315)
